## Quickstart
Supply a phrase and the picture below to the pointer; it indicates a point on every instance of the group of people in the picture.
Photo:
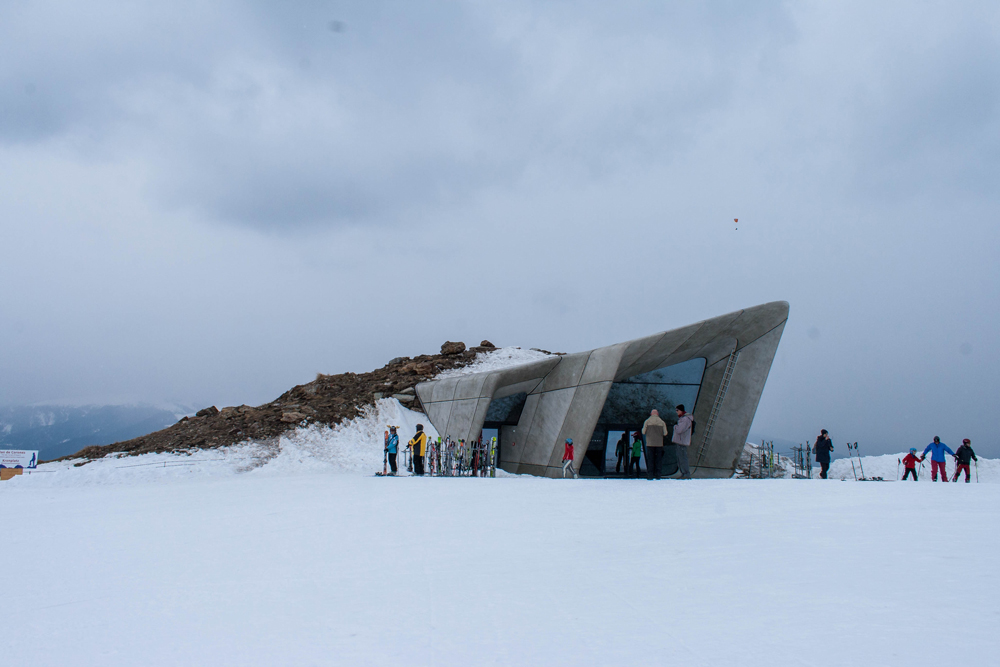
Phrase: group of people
(963, 457)
(654, 433)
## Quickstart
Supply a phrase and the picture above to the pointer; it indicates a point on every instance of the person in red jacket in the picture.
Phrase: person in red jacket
(568, 459)
(910, 461)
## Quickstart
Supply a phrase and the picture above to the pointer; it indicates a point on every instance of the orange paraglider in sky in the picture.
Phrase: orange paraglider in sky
(737, 221)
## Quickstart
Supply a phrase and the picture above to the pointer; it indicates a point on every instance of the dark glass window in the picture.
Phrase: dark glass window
(630, 400)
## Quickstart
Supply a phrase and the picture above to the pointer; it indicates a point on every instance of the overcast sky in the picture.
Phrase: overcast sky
(209, 202)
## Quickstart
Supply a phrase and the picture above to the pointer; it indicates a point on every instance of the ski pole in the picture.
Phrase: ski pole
(850, 456)
(860, 465)
(898, 462)
(977, 471)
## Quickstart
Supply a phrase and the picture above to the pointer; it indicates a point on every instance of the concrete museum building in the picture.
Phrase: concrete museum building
(716, 368)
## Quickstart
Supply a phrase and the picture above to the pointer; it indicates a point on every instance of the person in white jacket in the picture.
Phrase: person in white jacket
(682, 438)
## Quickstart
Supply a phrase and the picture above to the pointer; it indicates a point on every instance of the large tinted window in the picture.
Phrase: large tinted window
(630, 400)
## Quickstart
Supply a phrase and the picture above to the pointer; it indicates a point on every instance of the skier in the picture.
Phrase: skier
(910, 462)
(654, 429)
(822, 450)
(682, 438)
(419, 445)
(620, 452)
(568, 459)
(392, 446)
(937, 449)
(962, 458)
(636, 453)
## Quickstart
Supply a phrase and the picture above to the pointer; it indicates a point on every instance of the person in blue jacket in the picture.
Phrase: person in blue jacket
(937, 450)
(392, 446)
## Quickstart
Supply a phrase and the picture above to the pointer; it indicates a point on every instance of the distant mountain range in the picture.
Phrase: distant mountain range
(58, 430)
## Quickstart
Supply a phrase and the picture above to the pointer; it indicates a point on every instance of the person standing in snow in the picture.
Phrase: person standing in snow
(682, 438)
(962, 458)
(621, 453)
(822, 450)
(937, 450)
(910, 462)
(419, 445)
(636, 453)
(654, 430)
(568, 459)
(392, 446)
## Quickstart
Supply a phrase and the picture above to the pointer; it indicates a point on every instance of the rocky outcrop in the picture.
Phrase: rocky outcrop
(329, 399)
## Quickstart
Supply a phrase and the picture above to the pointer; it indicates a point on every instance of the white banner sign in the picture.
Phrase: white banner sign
(18, 458)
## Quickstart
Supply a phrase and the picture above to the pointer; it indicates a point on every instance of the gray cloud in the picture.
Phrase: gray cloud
(210, 202)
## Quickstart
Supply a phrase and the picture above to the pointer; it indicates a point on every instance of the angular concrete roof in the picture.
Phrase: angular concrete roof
(565, 394)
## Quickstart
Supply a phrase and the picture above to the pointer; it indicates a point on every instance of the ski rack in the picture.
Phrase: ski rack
(727, 376)
(802, 461)
(456, 458)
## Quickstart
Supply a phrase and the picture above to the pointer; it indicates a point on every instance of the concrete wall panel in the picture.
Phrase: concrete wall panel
(533, 371)
(719, 458)
(513, 455)
(527, 387)
(652, 358)
(470, 386)
(444, 390)
(603, 364)
(757, 321)
(546, 425)
(438, 414)
(460, 422)
(636, 348)
(567, 373)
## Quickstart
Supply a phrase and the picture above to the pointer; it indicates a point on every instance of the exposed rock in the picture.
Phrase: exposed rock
(207, 412)
(487, 344)
(329, 399)
(453, 348)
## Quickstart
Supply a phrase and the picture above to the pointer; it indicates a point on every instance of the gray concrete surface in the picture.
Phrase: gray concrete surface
(565, 394)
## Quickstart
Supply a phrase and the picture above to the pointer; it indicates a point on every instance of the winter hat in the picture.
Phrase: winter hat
(569, 441)
(966, 442)
(681, 407)
(420, 427)
(913, 450)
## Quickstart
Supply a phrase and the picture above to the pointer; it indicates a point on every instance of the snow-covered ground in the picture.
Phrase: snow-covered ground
(886, 468)
(498, 359)
(293, 554)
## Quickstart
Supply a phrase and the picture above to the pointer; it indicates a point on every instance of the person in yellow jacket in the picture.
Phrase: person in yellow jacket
(419, 448)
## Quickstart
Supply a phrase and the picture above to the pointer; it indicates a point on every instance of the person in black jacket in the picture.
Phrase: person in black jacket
(621, 453)
(962, 458)
(822, 450)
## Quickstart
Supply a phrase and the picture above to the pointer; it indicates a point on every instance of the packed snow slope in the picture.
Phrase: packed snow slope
(296, 559)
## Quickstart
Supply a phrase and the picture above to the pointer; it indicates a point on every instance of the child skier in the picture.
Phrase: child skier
(636, 453)
(392, 446)
(568, 459)
(937, 450)
(962, 458)
(910, 461)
